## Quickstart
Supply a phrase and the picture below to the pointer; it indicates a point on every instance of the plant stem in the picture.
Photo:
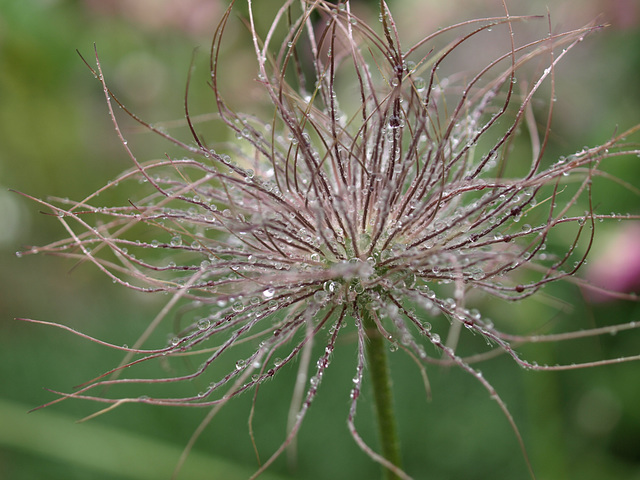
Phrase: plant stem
(383, 397)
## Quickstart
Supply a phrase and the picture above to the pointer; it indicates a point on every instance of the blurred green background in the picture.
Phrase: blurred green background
(56, 139)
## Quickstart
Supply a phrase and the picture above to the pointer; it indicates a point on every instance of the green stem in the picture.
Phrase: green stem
(383, 396)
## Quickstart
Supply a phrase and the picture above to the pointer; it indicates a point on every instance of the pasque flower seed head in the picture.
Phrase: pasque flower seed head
(386, 189)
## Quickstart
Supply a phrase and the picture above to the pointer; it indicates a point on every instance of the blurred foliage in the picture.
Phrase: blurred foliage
(56, 139)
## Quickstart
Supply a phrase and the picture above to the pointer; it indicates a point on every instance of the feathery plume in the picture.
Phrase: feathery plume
(383, 191)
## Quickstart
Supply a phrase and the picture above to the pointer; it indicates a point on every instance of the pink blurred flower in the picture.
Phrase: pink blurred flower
(617, 268)
(190, 16)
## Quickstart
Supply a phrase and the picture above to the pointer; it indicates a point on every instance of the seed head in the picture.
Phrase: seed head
(386, 189)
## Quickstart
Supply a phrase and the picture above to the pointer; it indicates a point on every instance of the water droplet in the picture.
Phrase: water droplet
(238, 306)
(176, 241)
(320, 296)
(269, 292)
(330, 286)
(357, 287)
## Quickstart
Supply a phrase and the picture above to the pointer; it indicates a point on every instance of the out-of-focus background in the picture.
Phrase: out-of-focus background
(56, 139)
